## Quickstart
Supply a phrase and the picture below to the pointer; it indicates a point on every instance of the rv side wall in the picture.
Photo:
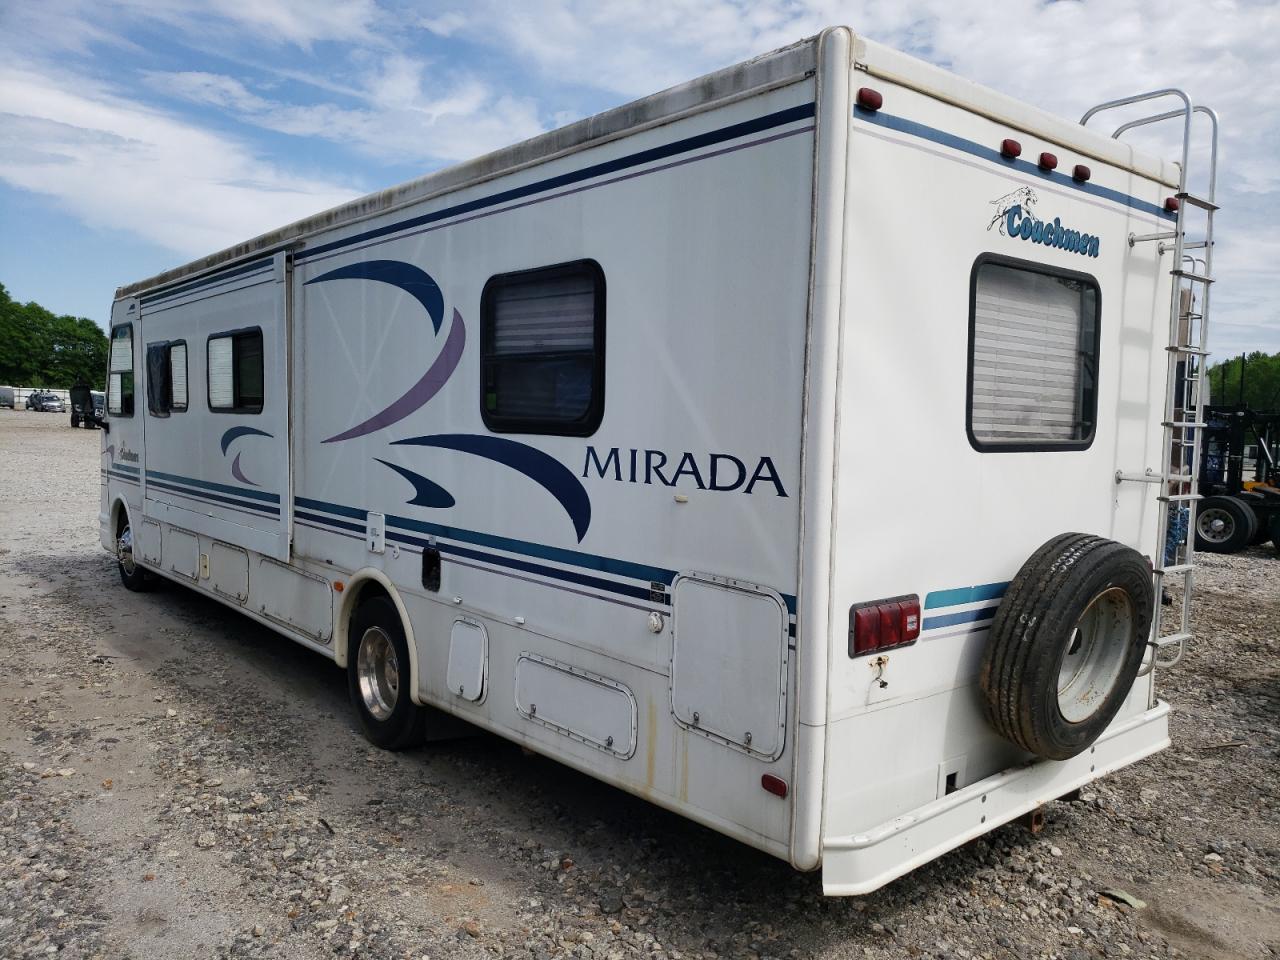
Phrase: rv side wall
(614, 497)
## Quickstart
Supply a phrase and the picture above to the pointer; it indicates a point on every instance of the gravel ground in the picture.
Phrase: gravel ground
(177, 781)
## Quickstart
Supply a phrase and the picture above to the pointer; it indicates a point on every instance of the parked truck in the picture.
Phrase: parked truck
(607, 443)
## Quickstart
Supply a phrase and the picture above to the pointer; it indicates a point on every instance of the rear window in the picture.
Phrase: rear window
(1033, 357)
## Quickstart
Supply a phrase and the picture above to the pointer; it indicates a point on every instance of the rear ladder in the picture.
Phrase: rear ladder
(1186, 383)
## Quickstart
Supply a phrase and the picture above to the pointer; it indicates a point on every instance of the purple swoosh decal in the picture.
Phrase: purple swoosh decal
(110, 451)
(422, 391)
(238, 473)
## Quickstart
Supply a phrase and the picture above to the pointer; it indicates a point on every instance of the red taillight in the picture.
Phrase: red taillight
(883, 624)
(869, 99)
(1010, 149)
(1048, 161)
(775, 785)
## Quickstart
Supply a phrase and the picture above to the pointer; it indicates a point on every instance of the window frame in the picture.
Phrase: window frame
(238, 408)
(1032, 266)
(133, 373)
(589, 422)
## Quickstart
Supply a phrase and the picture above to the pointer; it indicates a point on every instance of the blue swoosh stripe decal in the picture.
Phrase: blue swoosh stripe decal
(213, 497)
(934, 135)
(235, 433)
(412, 280)
(543, 469)
(426, 493)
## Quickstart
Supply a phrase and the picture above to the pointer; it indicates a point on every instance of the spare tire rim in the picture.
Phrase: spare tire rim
(1215, 525)
(1096, 651)
(378, 669)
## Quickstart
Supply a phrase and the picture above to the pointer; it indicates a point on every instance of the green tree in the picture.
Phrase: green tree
(1261, 381)
(39, 348)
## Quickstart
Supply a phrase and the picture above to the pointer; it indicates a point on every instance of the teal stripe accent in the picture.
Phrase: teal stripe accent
(337, 508)
(1026, 167)
(959, 595)
(964, 616)
(124, 467)
(223, 487)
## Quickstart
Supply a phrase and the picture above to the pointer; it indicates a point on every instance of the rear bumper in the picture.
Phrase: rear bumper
(862, 862)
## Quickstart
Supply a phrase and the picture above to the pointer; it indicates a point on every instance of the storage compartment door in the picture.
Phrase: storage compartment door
(729, 663)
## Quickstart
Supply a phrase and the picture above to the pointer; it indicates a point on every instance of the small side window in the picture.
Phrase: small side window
(178, 376)
(158, 379)
(1033, 357)
(120, 372)
(236, 372)
(542, 350)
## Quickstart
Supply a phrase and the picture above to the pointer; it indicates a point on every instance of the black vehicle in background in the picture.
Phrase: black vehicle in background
(1239, 479)
(88, 407)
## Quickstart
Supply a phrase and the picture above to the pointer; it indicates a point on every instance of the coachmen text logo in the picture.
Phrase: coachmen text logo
(1015, 218)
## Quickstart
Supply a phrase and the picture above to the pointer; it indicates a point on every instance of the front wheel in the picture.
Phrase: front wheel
(378, 677)
(131, 575)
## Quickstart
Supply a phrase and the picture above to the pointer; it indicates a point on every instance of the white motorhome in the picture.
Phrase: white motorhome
(787, 448)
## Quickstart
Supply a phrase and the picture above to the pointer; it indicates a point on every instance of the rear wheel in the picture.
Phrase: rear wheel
(1224, 525)
(1066, 644)
(378, 677)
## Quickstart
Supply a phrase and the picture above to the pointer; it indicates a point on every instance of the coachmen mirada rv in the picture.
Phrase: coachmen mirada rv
(611, 443)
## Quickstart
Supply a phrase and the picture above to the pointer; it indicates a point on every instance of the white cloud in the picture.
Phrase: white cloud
(116, 164)
(402, 116)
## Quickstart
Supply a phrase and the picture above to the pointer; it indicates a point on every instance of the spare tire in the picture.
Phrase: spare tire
(1066, 644)
(1224, 525)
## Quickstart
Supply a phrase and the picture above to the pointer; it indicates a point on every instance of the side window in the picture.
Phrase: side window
(158, 380)
(1033, 357)
(166, 377)
(236, 372)
(542, 350)
(178, 376)
(120, 372)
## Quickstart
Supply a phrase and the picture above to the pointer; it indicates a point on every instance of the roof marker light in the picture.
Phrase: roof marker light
(1081, 173)
(1010, 149)
(869, 99)
(1171, 204)
(1048, 161)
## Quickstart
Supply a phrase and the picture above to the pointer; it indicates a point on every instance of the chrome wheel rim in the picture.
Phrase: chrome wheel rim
(1215, 525)
(378, 670)
(124, 550)
(1095, 654)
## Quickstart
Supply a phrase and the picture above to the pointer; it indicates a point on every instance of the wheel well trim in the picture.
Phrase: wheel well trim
(356, 583)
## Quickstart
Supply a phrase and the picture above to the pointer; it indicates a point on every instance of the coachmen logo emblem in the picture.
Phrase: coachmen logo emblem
(1015, 217)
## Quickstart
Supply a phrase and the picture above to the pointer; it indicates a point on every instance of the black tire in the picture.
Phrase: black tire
(1275, 532)
(75, 421)
(131, 574)
(1224, 525)
(404, 725)
(1035, 627)
(1256, 502)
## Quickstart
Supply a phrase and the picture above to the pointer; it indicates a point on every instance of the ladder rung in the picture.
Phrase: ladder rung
(1161, 642)
(1175, 568)
(1192, 351)
(1179, 497)
(1195, 244)
(1183, 424)
(1188, 275)
(1201, 202)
